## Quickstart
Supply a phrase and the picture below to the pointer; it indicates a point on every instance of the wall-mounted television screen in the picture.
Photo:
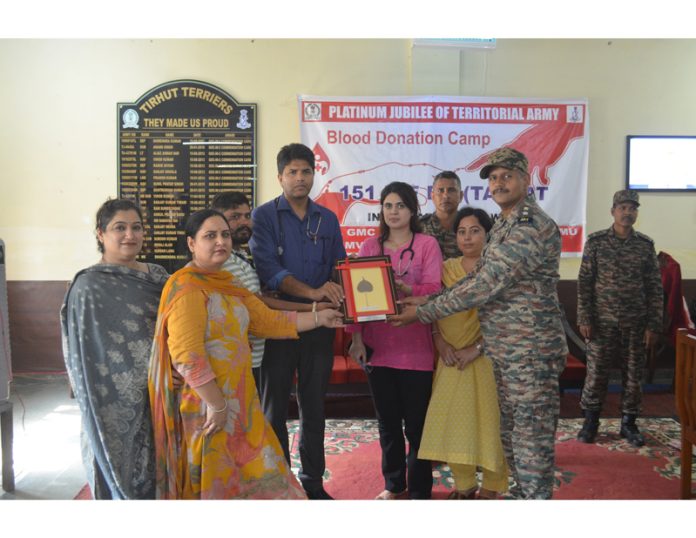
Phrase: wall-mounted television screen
(660, 163)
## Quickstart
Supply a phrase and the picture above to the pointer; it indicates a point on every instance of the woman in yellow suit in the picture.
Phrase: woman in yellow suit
(212, 440)
(462, 426)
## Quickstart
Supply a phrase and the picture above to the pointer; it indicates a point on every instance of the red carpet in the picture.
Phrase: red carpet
(612, 468)
(608, 469)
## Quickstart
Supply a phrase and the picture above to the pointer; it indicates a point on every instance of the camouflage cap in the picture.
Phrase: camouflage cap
(507, 158)
(626, 195)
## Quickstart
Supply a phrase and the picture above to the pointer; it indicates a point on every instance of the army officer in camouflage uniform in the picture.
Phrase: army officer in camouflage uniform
(514, 288)
(619, 308)
(447, 194)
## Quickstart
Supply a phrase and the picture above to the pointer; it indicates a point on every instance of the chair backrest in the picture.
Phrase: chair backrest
(685, 380)
(676, 311)
(576, 345)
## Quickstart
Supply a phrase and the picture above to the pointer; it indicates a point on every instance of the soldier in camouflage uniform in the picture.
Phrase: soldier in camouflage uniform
(447, 195)
(514, 288)
(620, 307)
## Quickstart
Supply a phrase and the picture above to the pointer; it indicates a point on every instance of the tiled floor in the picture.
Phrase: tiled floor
(46, 453)
(47, 458)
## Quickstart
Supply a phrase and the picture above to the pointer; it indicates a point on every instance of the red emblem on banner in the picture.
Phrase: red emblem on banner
(543, 145)
(322, 163)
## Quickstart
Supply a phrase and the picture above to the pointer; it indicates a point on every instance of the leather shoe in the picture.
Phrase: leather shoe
(318, 495)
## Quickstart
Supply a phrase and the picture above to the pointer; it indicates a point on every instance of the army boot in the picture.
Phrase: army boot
(630, 432)
(589, 428)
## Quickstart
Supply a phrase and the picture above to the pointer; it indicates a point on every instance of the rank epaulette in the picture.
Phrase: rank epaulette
(525, 217)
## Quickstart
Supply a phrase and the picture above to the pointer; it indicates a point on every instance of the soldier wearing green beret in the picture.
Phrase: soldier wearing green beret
(514, 289)
(620, 308)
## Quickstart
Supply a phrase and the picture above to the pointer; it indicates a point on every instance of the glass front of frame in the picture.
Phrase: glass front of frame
(368, 284)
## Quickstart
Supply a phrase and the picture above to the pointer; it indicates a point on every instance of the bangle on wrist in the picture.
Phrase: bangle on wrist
(316, 319)
(314, 306)
(219, 410)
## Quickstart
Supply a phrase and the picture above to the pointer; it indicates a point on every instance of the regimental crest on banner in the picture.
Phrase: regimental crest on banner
(575, 114)
(312, 112)
(130, 119)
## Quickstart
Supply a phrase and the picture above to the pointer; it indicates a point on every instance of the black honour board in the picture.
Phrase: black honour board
(179, 145)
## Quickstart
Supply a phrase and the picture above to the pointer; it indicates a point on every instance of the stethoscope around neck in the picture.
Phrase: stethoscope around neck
(281, 232)
(408, 249)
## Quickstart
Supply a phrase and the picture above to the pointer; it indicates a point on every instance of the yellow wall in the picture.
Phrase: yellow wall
(58, 136)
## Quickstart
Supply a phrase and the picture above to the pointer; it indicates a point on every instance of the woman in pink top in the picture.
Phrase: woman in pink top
(400, 368)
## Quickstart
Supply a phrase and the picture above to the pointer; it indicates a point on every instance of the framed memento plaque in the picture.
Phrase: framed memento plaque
(368, 285)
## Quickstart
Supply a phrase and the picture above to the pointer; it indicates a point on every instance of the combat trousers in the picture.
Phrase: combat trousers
(606, 343)
(312, 357)
(529, 408)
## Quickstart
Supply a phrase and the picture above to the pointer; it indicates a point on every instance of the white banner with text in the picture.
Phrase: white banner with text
(363, 143)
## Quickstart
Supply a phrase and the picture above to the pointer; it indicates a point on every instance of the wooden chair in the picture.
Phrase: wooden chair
(675, 314)
(685, 393)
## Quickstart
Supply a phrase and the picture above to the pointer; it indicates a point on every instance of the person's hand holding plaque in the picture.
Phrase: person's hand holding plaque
(323, 305)
(403, 288)
(329, 318)
(415, 301)
(329, 291)
(407, 311)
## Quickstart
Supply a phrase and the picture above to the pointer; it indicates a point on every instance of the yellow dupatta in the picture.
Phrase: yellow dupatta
(461, 329)
(163, 403)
